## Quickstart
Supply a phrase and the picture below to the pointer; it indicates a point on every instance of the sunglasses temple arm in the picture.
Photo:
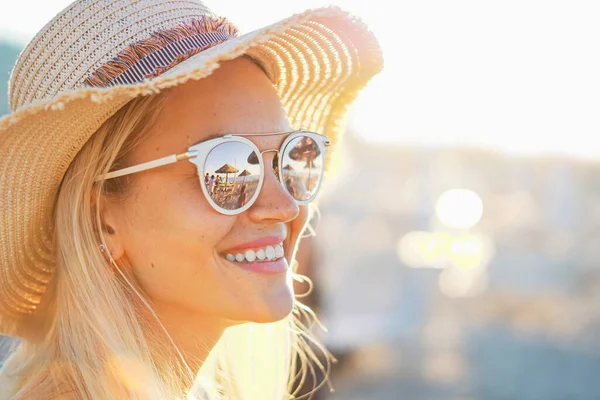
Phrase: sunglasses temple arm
(147, 165)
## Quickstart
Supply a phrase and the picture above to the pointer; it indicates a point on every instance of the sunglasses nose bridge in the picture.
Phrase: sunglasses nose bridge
(269, 151)
(277, 153)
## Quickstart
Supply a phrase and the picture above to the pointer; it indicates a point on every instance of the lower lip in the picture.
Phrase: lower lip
(271, 267)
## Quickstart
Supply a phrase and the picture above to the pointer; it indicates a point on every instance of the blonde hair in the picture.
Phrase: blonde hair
(101, 339)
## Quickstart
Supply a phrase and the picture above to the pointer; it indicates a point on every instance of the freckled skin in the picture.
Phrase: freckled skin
(167, 230)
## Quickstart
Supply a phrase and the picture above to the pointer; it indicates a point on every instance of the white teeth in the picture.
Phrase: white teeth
(279, 251)
(250, 255)
(270, 252)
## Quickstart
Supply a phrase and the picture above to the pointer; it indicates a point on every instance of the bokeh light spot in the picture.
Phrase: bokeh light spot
(459, 208)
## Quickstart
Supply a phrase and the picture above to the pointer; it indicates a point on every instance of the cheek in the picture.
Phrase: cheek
(172, 224)
(172, 207)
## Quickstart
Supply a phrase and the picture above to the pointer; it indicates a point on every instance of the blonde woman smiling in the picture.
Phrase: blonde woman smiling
(123, 274)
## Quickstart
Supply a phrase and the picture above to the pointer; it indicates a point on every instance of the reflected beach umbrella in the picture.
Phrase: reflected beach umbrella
(306, 150)
(310, 164)
(244, 174)
(290, 170)
(227, 169)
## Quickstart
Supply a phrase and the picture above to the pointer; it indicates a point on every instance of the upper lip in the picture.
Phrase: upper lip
(261, 242)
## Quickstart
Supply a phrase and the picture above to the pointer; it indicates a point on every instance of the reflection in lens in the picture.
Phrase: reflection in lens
(302, 168)
(231, 179)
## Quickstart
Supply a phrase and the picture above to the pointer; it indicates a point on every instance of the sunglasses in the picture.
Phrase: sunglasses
(232, 172)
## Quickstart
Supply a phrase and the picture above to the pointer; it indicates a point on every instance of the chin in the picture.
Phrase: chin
(276, 311)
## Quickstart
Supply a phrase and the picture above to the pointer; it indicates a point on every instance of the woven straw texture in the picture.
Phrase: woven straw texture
(318, 61)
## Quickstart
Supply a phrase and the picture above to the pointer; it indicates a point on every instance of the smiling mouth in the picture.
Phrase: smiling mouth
(257, 255)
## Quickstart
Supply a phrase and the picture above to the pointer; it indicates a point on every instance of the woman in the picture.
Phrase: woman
(121, 275)
(211, 187)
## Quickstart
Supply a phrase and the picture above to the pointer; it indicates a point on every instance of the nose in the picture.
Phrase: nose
(274, 203)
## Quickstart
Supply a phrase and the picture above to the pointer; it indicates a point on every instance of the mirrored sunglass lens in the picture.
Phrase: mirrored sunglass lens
(302, 167)
(231, 175)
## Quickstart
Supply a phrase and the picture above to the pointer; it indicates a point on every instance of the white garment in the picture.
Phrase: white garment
(211, 185)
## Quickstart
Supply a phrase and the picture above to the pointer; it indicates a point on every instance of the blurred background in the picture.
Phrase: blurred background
(456, 251)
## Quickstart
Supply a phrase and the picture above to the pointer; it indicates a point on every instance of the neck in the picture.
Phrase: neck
(194, 334)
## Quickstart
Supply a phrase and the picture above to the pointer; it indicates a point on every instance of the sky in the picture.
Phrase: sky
(515, 75)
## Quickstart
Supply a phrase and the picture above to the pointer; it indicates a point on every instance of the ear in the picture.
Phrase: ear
(112, 230)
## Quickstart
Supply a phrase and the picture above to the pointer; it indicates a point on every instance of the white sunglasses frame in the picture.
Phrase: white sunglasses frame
(198, 153)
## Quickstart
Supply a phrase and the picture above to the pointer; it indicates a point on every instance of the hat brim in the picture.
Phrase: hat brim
(318, 61)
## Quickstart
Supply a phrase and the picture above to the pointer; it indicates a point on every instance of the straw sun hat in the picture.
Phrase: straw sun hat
(97, 55)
